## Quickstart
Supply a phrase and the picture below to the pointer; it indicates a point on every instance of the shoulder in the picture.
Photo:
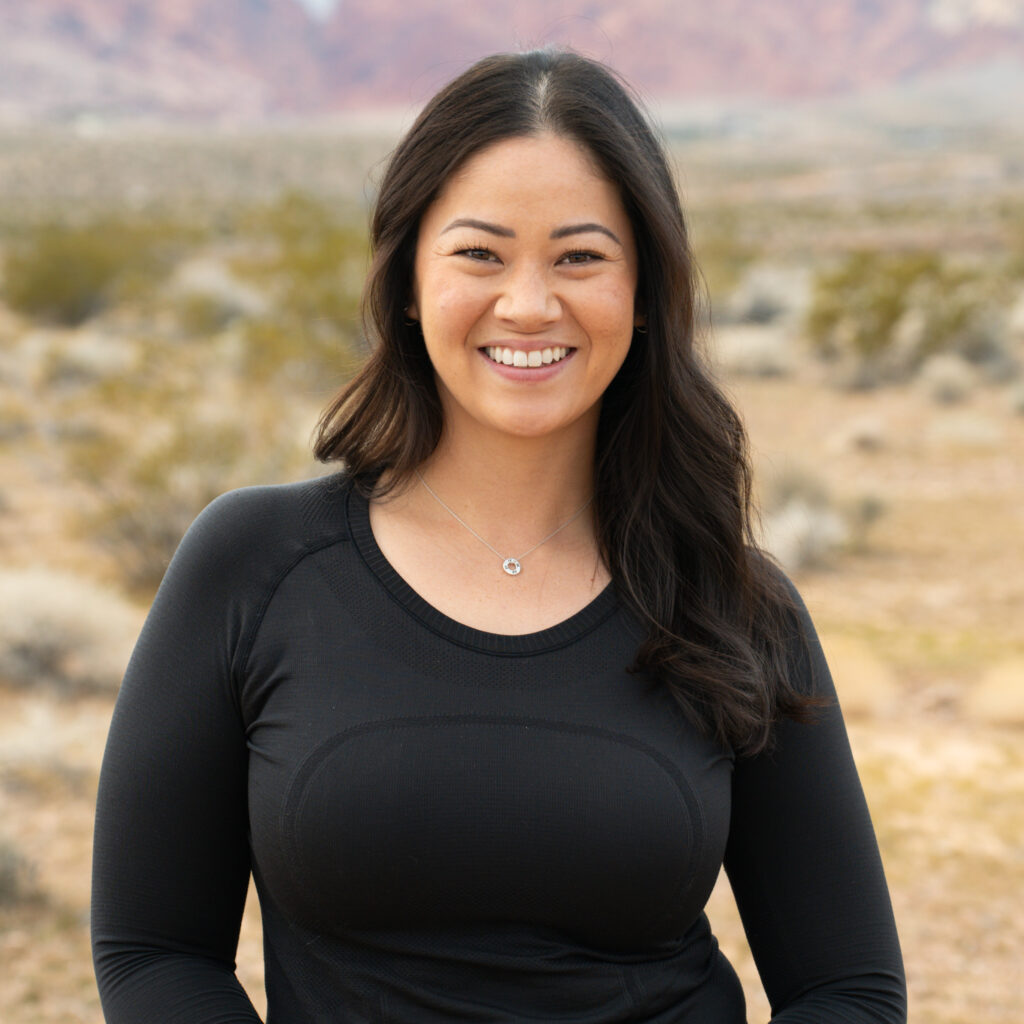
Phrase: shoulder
(232, 559)
(305, 513)
(262, 530)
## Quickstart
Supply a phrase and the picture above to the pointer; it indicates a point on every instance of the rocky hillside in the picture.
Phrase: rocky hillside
(249, 58)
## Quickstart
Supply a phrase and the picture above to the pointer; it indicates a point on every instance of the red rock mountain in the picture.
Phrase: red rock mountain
(249, 58)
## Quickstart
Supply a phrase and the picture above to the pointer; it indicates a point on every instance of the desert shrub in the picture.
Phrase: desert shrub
(67, 273)
(752, 350)
(84, 357)
(803, 536)
(884, 313)
(947, 379)
(147, 491)
(799, 526)
(61, 631)
(722, 252)
(310, 260)
(767, 293)
(804, 528)
(209, 296)
(792, 483)
(183, 433)
(17, 877)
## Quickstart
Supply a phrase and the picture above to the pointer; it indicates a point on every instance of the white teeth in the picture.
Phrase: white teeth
(520, 358)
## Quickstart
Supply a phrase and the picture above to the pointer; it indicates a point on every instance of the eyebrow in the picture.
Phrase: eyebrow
(582, 229)
(480, 225)
(503, 232)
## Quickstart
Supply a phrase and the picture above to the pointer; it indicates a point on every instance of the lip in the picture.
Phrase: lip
(524, 373)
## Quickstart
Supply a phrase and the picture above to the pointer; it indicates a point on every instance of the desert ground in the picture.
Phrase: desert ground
(893, 491)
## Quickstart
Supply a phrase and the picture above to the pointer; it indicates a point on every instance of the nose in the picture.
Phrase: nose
(527, 299)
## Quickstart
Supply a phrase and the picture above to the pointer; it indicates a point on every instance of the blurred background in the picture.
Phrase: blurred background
(184, 190)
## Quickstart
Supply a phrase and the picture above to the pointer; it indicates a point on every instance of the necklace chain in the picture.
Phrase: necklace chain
(512, 565)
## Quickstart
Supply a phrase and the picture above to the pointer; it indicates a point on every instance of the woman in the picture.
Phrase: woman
(485, 712)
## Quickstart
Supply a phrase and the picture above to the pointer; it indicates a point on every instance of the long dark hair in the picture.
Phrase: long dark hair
(672, 477)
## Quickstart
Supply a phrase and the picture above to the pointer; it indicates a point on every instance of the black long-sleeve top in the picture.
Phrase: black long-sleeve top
(445, 824)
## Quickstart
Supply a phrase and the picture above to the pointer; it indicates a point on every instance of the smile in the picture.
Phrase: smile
(517, 357)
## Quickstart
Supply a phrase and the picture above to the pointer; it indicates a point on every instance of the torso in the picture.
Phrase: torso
(451, 823)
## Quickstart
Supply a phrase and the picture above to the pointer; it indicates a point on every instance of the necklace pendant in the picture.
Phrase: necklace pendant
(512, 566)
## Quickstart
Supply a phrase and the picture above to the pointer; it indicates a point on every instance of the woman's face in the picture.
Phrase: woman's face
(524, 284)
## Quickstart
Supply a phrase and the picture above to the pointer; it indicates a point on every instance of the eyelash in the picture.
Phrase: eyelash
(471, 251)
(590, 254)
(474, 251)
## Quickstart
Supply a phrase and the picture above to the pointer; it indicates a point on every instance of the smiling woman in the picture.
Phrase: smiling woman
(527, 250)
(485, 712)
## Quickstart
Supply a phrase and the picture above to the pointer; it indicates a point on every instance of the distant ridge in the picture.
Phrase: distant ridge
(249, 59)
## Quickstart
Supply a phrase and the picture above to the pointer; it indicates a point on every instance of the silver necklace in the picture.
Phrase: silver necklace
(512, 565)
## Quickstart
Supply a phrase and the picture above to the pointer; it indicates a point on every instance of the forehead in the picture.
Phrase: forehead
(545, 174)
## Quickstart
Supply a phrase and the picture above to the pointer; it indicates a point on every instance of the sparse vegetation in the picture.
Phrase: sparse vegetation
(881, 314)
(67, 273)
(723, 251)
(311, 260)
(17, 877)
(62, 632)
(148, 485)
(799, 525)
(947, 379)
(804, 527)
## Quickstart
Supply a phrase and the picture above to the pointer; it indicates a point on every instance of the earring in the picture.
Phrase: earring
(640, 328)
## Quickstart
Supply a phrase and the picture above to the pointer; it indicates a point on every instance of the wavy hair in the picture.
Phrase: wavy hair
(672, 476)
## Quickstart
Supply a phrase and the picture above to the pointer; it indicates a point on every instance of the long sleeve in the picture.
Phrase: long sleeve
(805, 869)
(171, 861)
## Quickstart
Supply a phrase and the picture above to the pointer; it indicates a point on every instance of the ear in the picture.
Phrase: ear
(412, 311)
(639, 321)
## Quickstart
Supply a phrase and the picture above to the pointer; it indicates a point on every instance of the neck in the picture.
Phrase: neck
(513, 489)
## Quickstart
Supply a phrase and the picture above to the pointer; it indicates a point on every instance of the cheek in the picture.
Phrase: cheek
(448, 308)
(617, 312)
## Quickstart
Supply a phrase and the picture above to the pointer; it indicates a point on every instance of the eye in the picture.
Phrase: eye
(477, 253)
(581, 257)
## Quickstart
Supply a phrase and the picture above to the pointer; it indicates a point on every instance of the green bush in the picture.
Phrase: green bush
(179, 433)
(857, 306)
(67, 273)
(888, 311)
(311, 260)
(721, 251)
(148, 494)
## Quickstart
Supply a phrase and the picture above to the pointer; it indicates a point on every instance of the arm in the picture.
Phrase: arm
(806, 873)
(171, 861)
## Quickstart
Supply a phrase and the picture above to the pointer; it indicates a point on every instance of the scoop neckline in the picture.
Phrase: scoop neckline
(553, 637)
